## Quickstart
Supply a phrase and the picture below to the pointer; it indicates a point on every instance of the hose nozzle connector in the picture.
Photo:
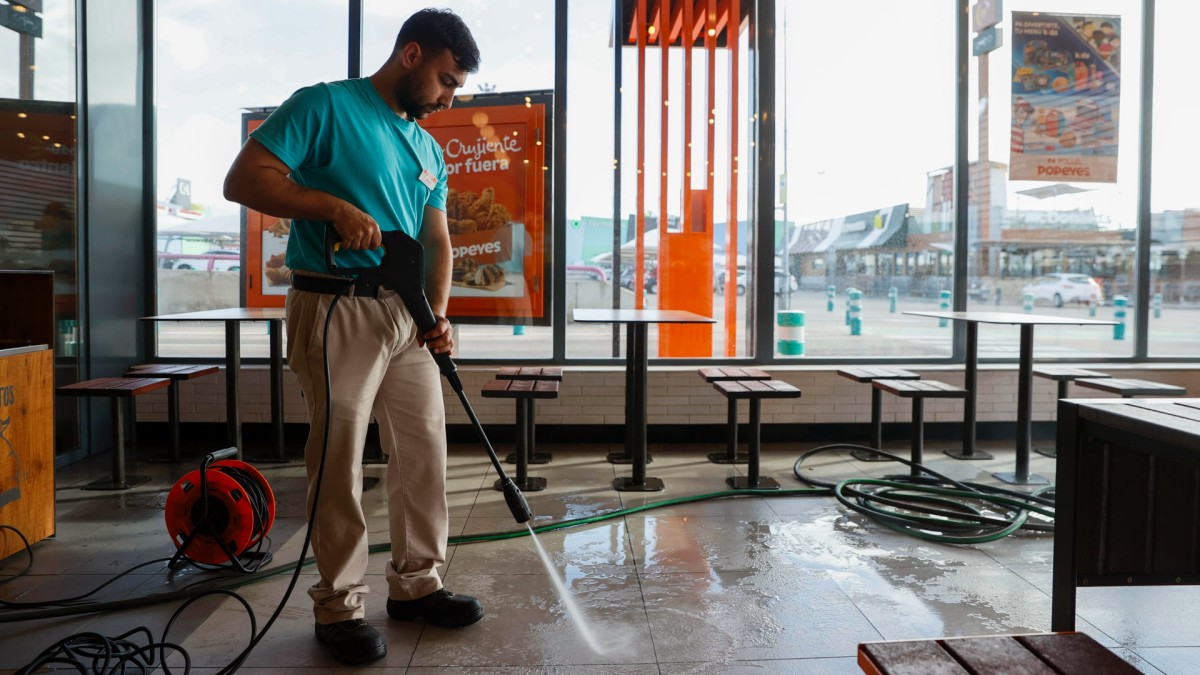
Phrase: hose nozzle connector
(516, 501)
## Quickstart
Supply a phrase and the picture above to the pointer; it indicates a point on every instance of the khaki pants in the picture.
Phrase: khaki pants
(376, 367)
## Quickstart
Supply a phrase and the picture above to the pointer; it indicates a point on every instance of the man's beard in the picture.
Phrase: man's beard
(416, 110)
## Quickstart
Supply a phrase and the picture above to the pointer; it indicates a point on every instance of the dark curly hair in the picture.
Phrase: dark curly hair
(438, 29)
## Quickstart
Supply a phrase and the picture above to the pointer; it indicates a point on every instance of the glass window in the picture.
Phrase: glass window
(38, 207)
(864, 211)
(1052, 219)
(1174, 204)
(683, 178)
(516, 44)
(213, 65)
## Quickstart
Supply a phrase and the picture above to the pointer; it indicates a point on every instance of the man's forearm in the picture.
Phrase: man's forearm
(277, 195)
(438, 263)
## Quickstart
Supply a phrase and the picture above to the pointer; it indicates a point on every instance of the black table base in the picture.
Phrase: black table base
(626, 484)
(621, 457)
(724, 458)
(1013, 478)
(964, 453)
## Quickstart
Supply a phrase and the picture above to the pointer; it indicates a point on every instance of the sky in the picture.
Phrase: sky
(866, 91)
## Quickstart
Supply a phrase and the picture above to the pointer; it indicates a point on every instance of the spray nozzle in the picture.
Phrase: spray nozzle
(516, 501)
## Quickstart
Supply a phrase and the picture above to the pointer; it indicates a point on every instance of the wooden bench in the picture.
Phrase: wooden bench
(115, 389)
(1064, 375)
(530, 373)
(1127, 388)
(1039, 654)
(175, 373)
(755, 391)
(918, 391)
(870, 375)
(710, 375)
(524, 392)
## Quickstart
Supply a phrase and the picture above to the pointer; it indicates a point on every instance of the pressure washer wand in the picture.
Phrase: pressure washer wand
(403, 270)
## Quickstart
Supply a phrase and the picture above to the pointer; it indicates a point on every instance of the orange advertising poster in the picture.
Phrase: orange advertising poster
(495, 161)
(495, 150)
(267, 279)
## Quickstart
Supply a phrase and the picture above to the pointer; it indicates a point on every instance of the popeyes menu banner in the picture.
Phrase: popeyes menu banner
(266, 279)
(495, 150)
(1066, 95)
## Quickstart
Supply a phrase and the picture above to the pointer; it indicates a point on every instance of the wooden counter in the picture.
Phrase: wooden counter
(26, 445)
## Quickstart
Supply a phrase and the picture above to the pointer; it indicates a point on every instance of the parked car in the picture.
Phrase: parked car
(780, 283)
(1063, 287)
(649, 278)
(215, 260)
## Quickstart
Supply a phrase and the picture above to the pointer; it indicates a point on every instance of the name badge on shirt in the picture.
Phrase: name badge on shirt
(428, 179)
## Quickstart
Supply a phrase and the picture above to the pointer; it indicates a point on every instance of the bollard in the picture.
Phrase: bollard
(892, 300)
(855, 311)
(830, 292)
(945, 307)
(1119, 304)
(1028, 306)
(791, 332)
(1092, 307)
(1157, 305)
(848, 292)
(518, 330)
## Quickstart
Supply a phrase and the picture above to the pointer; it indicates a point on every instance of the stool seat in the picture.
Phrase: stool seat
(176, 373)
(731, 454)
(1129, 388)
(1067, 374)
(1064, 375)
(723, 374)
(116, 389)
(1065, 653)
(755, 391)
(529, 373)
(520, 389)
(870, 374)
(918, 391)
(524, 392)
(172, 371)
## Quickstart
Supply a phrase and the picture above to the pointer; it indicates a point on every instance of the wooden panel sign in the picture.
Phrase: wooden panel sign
(26, 447)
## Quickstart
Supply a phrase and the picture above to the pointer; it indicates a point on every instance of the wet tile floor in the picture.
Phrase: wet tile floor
(783, 584)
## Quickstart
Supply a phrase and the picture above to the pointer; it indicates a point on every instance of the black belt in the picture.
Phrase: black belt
(350, 287)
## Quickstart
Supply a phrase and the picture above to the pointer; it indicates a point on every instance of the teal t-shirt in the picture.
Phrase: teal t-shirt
(341, 138)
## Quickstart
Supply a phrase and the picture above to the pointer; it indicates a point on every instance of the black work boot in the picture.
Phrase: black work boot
(352, 642)
(439, 608)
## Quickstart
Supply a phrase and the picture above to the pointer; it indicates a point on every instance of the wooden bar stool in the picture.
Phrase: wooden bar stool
(175, 373)
(1063, 653)
(1064, 375)
(524, 392)
(115, 389)
(870, 375)
(918, 391)
(755, 391)
(538, 374)
(711, 375)
(1128, 388)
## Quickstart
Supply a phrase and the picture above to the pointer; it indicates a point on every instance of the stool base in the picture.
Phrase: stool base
(724, 458)
(957, 453)
(868, 456)
(1010, 477)
(743, 483)
(626, 484)
(530, 484)
(1047, 452)
(538, 458)
(622, 458)
(131, 481)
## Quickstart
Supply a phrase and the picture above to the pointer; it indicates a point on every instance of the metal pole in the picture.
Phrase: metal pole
(1145, 165)
(618, 77)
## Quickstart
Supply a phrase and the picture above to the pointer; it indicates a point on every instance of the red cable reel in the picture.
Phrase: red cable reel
(240, 511)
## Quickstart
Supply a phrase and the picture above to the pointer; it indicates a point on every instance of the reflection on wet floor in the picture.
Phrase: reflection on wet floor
(788, 584)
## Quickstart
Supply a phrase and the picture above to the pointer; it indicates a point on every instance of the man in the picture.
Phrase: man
(350, 154)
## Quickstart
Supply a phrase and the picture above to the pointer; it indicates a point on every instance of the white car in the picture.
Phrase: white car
(719, 282)
(1062, 287)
